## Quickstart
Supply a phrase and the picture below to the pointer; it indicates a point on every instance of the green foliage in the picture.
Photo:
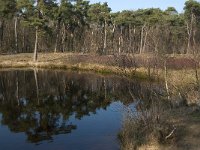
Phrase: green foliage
(65, 11)
(192, 7)
(7, 8)
(171, 11)
(81, 12)
(125, 18)
(99, 13)
(37, 15)
(68, 21)
(25, 7)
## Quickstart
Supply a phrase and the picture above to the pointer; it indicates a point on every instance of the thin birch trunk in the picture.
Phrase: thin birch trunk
(1, 32)
(141, 40)
(16, 35)
(35, 56)
(105, 38)
(145, 41)
(166, 80)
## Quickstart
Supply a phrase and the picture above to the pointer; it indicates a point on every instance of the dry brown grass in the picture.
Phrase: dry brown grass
(180, 79)
(102, 64)
(147, 128)
(84, 62)
(186, 136)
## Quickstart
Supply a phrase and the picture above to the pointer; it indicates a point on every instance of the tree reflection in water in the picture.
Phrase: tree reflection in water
(40, 103)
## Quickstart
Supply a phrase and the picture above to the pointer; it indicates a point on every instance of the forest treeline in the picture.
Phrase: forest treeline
(78, 26)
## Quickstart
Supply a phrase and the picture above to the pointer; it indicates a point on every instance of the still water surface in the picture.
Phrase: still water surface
(62, 110)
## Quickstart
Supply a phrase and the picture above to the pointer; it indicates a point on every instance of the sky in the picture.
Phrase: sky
(120, 5)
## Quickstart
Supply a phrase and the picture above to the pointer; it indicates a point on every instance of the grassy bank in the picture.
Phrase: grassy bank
(180, 68)
(182, 80)
(176, 126)
(178, 129)
(72, 61)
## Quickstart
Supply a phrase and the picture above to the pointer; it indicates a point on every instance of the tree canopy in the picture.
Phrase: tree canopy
(78, 26)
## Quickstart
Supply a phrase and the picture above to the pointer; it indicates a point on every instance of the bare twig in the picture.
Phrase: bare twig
(170, 134)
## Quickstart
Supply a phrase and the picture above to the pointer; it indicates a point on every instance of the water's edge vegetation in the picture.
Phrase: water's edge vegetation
(70, 61)
(145, 44)
(158, 124)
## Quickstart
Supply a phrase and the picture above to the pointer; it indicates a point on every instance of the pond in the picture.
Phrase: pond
(57, 110)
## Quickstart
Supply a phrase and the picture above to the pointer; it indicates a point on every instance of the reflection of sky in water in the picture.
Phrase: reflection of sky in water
(65, 111)
(94, 132)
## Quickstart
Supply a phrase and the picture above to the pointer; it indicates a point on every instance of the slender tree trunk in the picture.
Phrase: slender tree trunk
(105, 38)
(141, 40)
(145, 41)
(189, 39)
(35, 55)
(113, 36)
(16, 35)
(119, 49)
(190, 33)
(92, 41)
(57, 37)
(120, 40)
(134, 45)
(196, 72)
(23, 41)
(56, 43)
(72, 44)
(156, 48)
(130, 39)
(1, 32)
(166, 80)
(193, 39)
(63, 38)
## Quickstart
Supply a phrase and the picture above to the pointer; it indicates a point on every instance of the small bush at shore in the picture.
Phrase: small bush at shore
(146, 126)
